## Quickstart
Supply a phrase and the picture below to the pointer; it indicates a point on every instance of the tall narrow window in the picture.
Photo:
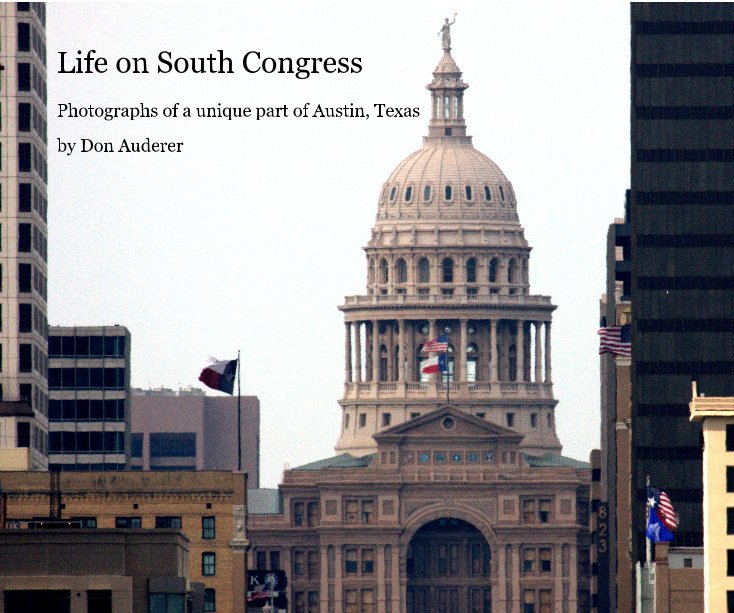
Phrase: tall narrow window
(401, 271)
(468, 192)
(487, 193)
(511, 271)
(426, 193)
(471, 270)
(383, 271)
(408, 194)
(502, 194)
(730, 437)
(493, 264)
(424, 271)
(447, 266)
(208, 564)
(208, 527)
(393, 191)
(446, 107)
(447, 193)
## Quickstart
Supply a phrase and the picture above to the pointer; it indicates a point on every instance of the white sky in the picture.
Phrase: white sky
(251, 237)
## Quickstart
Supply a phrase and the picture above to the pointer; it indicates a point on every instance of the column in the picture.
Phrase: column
(375, 351)
(324, 583)
(493, 348)
(516, 595)
(398, 594)
(380, 575)
(358, 350)
(401, 350)
(338, 571)
(461, 353)
(368, 352)
(538, 353)
(390, 352)
(411, 353)
(548, 352)
(500, 598)
(347, 352)
(559, 578)
(519, 344)
(432, 329)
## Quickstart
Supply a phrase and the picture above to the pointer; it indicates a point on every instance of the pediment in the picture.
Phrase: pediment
(447, 423)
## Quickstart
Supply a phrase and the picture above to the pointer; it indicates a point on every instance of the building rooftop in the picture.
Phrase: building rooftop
(264, 501)
(554, 461)
(344, 460)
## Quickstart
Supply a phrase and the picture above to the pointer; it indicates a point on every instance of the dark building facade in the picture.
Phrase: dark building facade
(682, 225)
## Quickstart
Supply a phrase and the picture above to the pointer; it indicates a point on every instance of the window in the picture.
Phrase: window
(24, 117)
(312, 513)
(298, 509)
(368, 511)
(24, 77)
(169, 445)
(730, 478)
(25, 357)
(362, 420)
(528, 561)
(502, 194)
(313, 564)
(386, 419)
(210, 600)
(408, 194)
(136, 445)
(350, 561)
(510, 420)
(545, 559)
(533, 420)
(208, 564)
(167, 603)
(730, 520)
(730, 562)
(24, 237)
(493, 263)
(24, 157)
(528, 511)
(393, 191)
(128, 522)
(261, 560)
(424, 271)
(487, 193)
(24, 36)
(24, 197)
(23, 434)
(299, 561)
(25, 317)
(208, 527)
(275, 560)
(468, 192)
(730, 437)
(401, 271)
(168, 521)
(426, 193)
(383, 271)
(368, 561)
(471, 270)
(512, 266)
(447, 193)
(24, 278)
(447, 266)
(544, 511)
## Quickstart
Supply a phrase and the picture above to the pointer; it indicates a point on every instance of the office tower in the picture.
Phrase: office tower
(89, 397)
(682, 222)
(188, 430)
(23, 236)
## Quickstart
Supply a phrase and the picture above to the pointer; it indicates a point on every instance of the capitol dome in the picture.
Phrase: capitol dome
(447, 178)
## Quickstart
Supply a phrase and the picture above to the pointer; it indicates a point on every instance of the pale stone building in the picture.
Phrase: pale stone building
(440, 500)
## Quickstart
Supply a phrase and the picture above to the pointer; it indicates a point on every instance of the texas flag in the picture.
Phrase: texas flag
(436, 363)
(220, 376)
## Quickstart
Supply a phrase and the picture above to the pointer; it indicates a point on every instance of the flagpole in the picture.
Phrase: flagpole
(648, 544)
(239, 417)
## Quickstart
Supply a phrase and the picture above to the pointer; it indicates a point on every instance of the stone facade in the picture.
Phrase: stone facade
(448, 254)
(448, 495)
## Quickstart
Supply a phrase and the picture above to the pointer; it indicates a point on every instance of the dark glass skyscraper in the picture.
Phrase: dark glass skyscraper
(682, 220)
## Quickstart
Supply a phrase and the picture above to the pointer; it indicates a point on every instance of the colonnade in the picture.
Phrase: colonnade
(494, 347)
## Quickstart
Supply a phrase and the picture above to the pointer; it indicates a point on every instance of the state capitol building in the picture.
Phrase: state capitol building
(449, 493)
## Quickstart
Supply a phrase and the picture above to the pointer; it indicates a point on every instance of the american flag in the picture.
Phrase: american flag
(439, 344)
(616, 340)
(661, 503)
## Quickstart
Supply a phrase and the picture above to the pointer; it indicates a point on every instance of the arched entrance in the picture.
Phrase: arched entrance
(448, 569)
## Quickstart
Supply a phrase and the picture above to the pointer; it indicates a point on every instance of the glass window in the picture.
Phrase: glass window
(447, 193)
(426, 193)
(208, 564)
(502, 194)
(172, 444)
(544, 511)
(545, 559)
(351, 511)
(408, 194)
(350, 561)
(383, 271)
(468, 192)
(471, 270)
(24, 117)
(393, 191)
(210, 600)
(168, 521)
(493, 264)
(510, 417)
(128, 522)
(533, 420)
(447, 266)
(368, 561)
(528, 561)
(312, 513)
(487, 193)
(424, 271)
(208, 527)
(401, 270)
(368, 511)
(298, 513)
(528, 511)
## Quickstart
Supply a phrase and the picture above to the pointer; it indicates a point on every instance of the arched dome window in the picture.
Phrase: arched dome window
(502, 194)
(447, 268)
(468, 192)
(493, 265)
(383, 270)
(408, 194)
(487, 193)
(401, 271)
(448, 193)
(383, 363)
(393, 191)
(426, 193)
(511, 271)
(446, 107)
(471, 270)
(424, 271)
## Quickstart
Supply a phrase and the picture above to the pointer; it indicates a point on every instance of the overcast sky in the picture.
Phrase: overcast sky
(252, 235)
